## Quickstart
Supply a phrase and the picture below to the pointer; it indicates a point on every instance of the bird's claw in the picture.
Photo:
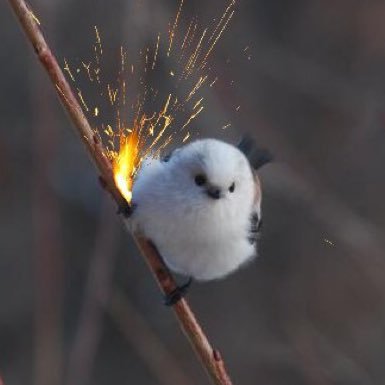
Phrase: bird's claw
(177, 294)
(126, 209)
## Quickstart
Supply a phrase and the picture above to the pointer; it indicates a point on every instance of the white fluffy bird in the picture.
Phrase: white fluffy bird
(201, 207)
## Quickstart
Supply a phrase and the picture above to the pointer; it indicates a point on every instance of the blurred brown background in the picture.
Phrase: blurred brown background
(78, 305)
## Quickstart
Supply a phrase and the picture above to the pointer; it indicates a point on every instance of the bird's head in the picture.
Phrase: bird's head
(213, 172)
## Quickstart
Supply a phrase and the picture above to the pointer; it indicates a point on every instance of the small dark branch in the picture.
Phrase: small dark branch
(193, 331)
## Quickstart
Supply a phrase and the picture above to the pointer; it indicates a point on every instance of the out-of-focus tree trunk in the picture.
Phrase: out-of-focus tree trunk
(96, 296)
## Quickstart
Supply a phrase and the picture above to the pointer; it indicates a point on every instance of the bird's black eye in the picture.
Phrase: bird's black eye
(232, 187)
(200, 180)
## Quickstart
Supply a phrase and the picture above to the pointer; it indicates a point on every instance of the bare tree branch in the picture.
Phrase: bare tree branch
(210, 358)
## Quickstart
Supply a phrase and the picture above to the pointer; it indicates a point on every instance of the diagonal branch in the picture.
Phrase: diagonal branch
(210, 358)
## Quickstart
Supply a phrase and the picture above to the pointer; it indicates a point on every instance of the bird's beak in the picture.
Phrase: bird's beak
(214, 192)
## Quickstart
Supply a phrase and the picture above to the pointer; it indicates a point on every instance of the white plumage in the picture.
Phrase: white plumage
(197, 208)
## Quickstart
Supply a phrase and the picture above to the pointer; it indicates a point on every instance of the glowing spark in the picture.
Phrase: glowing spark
(197, 103)
(36, 20)
(82, 100)
(146, 58)
(96, 111)
(329, 242)
(186, 35)
(204, 61)
(165, 108)
(198, 85)
(112, 94)
(193, 116)
(98, 40)
(165, 144)
(125, 164)
(172, 73)
(226, 126)
(97, 72)
(174, 27)
(118, 121)
(221, 20)
(213, 82)
(96, 55)
(87, 68)
(192, 36)
(167, 122)
(122, 59)
(68, 70)
(109, 131)
(124, 91)
(195, 55)
(156, 52)
(246, 48)
(237, 109)
(186, 137)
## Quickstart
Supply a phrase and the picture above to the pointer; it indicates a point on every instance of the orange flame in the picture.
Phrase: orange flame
(125, 164)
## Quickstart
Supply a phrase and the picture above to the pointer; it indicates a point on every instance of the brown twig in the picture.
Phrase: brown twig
(210, 358)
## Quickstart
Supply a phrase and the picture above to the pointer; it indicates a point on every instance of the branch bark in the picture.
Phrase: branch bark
(209, 357)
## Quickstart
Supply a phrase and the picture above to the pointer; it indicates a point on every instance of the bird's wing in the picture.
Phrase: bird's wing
(255, 228)
(255, 218)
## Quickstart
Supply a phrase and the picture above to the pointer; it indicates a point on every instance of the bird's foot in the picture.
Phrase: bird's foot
(177, 294)
(126, 209)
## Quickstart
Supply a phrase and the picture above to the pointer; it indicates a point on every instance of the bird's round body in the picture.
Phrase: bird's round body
(200, 207)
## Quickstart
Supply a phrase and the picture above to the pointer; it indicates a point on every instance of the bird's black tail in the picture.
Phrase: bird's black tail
(257, 156)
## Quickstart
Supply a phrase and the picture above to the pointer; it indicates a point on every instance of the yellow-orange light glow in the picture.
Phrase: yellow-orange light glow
(124, 165)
